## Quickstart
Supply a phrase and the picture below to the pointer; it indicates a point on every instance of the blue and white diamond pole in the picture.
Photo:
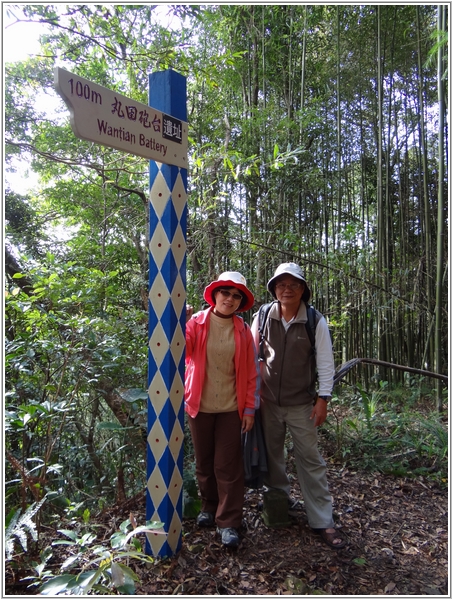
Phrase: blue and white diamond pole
(167, 320)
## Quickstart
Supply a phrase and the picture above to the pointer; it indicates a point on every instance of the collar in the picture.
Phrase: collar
(300, 317)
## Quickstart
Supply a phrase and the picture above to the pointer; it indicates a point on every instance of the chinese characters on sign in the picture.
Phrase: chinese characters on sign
(171, 128)
(105, 117)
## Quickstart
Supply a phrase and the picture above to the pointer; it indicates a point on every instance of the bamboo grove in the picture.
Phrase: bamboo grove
(318, 134)
(330, 158)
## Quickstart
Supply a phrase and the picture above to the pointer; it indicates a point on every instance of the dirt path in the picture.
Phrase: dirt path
(397, 531)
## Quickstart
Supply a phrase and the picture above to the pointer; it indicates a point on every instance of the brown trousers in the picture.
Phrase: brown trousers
(219, 465)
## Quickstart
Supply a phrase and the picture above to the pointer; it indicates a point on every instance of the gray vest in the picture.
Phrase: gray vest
(289, 368)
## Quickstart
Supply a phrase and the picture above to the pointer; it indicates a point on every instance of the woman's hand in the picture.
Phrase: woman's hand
(189, 312)
(247, 423)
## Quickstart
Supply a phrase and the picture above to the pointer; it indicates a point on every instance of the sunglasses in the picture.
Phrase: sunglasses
(227, 294)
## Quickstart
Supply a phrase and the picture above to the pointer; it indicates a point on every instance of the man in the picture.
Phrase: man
(289, 397)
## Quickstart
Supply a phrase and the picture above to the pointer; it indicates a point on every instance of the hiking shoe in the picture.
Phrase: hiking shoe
(229, 535)
(205, 519)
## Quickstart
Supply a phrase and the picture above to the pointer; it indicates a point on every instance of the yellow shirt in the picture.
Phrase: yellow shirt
(219, 390)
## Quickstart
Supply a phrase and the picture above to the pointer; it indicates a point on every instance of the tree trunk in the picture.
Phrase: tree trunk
(381, 237)
(440, 209)
(116, 405)
(424, 175)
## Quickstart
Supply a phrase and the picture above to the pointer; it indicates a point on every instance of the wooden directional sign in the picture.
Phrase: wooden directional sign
(105, 117)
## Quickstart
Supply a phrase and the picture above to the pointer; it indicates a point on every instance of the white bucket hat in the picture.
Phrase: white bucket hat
(231, 279)
(289, 268)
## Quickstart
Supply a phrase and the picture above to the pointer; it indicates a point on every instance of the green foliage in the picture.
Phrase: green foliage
(384, 431)
(371, 402)
(95, 568)
(18, 525)
(265, 181)
(21, 227)
(63, 341)
(283, 165)
(191, 503)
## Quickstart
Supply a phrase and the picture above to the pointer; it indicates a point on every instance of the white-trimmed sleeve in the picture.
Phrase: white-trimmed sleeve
(324, 358)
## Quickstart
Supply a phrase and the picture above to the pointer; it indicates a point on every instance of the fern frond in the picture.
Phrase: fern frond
(12, 524)
(19, 526)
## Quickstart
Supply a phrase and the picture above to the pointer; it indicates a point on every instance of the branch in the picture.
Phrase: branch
(88, 165)
(12, 267)
(290, 255)
(54, 23)
(116, 405)
(53, 157)
(346, 367)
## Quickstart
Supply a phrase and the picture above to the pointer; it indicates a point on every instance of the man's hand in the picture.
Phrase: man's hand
(319, 412)
(247, 423)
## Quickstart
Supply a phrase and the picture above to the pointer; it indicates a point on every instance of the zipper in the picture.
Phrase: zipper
(281, 365)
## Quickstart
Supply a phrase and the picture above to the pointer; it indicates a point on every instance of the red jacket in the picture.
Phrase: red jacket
(245, 361)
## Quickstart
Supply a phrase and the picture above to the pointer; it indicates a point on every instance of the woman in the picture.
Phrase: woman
(221, 390)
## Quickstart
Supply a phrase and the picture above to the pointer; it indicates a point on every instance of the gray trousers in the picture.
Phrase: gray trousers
(311, 467)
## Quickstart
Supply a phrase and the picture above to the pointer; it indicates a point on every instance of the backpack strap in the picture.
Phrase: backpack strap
(263, 313)
(310, 325)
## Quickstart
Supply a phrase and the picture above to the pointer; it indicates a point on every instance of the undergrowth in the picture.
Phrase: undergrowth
(390, 430)
(91, 566)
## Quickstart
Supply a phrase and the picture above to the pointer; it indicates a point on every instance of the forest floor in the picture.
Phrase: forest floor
(397, 532)
(396, 529)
